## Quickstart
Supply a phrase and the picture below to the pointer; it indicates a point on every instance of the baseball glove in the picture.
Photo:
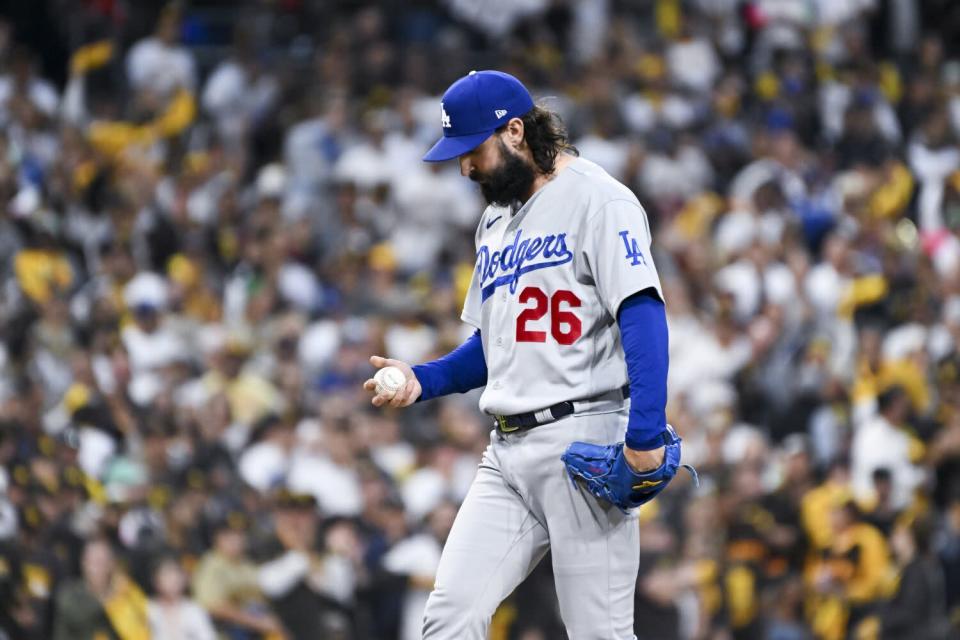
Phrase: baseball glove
(606, 474)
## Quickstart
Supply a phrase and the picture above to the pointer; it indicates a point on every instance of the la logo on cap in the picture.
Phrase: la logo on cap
(444, 118)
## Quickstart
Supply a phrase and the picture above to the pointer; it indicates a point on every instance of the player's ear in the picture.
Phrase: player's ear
(513, 133)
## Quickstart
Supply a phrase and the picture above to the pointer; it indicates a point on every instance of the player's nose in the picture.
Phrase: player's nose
(465, 166)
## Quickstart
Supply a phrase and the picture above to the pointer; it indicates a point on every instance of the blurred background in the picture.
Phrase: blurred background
(213, 212)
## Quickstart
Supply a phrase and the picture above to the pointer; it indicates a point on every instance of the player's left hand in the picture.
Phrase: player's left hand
(607, 474)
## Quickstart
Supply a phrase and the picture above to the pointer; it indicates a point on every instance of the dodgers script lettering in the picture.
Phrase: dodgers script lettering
(523, 255)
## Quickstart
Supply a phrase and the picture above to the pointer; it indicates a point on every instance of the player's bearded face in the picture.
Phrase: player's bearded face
(507, 182)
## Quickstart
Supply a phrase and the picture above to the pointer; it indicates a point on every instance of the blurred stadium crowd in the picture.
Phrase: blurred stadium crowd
(211, 213)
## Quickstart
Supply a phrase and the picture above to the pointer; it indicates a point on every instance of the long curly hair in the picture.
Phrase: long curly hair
(546, 135)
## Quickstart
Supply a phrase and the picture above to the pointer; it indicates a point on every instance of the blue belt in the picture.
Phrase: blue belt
(516, 422)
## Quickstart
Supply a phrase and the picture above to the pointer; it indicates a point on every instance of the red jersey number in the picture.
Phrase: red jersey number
(565, 326)
(537, 311)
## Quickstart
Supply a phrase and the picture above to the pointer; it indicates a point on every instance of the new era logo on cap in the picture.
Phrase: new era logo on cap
(473, 108)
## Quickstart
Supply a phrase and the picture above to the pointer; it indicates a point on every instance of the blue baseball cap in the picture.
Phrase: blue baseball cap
(473, 108)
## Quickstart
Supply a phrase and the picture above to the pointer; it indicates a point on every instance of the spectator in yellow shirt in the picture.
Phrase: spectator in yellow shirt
(42, 268)
(250, 395)
(851, 575)
(225, 583)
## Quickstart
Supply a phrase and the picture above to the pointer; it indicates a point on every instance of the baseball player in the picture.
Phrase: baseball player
(571, 343)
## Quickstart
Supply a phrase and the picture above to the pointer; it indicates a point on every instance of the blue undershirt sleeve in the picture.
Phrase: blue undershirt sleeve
(643, 331)
(459, 371)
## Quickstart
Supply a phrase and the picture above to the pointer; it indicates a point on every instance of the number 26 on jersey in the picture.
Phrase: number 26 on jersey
(565, 326)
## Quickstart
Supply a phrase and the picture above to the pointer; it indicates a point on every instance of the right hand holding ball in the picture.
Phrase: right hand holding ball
(394, 383)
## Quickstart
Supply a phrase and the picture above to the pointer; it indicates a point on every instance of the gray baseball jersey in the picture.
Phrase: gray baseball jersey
(548, 282)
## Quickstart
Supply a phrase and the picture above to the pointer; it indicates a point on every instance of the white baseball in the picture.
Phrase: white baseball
(389, 380)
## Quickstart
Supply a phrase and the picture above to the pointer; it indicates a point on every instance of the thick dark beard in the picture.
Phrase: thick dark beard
(508, 183)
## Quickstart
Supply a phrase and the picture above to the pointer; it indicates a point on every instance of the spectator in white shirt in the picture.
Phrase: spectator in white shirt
(882, 442)
(693, 62)
(418, 557)
(24, 96)
(159, 63)
(239, 93)
(171, 615)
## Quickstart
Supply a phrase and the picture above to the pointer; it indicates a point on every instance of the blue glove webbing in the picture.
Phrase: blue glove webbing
(643, 332)
(459, 371)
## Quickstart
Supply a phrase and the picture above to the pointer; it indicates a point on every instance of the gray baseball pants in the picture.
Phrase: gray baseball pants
(521, 504)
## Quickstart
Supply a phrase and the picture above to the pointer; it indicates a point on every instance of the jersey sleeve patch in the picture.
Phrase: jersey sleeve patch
(634, 253)
(616, 252)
